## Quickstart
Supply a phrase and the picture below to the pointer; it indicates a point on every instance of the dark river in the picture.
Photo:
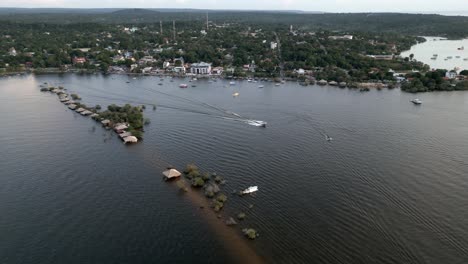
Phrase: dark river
(392, 187)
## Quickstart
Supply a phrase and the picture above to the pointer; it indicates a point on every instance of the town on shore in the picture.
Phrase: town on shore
(222, 48)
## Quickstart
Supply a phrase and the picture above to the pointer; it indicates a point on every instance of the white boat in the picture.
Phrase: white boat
(232, 83)
(183, 85)
(261, 86)
(257, 123)
(249, 80)
(328, 138)
(416, 101)
(278, 84)
(251, 189)
(235, 94)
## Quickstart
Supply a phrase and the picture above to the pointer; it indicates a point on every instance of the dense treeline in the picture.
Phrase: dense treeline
(414, 24)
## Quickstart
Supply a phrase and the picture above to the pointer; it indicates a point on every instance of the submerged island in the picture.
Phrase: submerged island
(127, 121)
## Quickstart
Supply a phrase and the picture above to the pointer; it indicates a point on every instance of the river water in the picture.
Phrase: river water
(443, 48)
(390, 188)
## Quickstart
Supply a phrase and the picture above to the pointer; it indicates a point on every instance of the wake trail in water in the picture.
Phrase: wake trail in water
(220, 112)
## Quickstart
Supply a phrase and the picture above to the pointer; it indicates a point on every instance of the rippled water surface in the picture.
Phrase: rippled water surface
(390, 188)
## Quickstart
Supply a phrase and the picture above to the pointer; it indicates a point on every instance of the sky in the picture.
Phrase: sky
(408, 6)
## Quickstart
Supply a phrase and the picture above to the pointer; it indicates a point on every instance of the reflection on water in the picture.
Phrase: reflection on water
(445, 49)
(390, 187)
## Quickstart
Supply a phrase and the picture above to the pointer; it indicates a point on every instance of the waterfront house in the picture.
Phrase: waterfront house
(200, 68)
(217, 70)
(381, 57)
(451, 74)
(105, 122)
(130, 139)
(120, 127)
(86, 113)
(125, 134)
(79, 60)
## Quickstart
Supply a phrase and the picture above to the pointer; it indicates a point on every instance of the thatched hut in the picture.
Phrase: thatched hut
(170, 174)
(125, 134)
(120, 126)
(105, 122)
(130, 139)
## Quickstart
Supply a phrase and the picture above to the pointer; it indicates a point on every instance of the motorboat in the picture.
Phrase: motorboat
(257, 123)
(249, 190)
(235, 94)
(232, 83)
(261, 86)
(328, 138)
(416, 101)
(183, 85)
(461, 48)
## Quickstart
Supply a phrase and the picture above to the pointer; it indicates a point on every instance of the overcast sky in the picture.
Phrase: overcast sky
(308, 5)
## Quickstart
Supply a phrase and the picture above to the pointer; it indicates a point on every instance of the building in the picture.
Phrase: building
(79, 60)
(451, 74)
(345, 37)
(381, 57)
(217, 70)
(273, 45)
(12, 52)
(200, 68)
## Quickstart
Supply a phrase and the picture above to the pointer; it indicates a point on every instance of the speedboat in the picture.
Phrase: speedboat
(183, 85)
(328, 138)
(416, 101)
(257, 123)
(251, 189)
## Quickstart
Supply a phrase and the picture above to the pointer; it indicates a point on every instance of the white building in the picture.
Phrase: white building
(273, 45)
(200, 68)
(451, 74)
(345, 37)
(12, 52)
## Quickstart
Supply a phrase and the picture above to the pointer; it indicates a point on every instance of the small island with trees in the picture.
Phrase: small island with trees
(127, 121)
